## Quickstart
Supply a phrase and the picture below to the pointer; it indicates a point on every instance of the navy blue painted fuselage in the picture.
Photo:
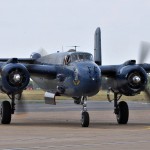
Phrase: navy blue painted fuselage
(76, 74)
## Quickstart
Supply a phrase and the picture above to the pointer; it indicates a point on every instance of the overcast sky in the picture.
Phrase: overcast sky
(28, 25)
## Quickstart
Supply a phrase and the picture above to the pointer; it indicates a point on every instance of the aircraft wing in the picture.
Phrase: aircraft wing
(15, 73)
(109, 71)
(128, 78)
(34, 69)
(112, 70)
(47, 71)
(20, 60)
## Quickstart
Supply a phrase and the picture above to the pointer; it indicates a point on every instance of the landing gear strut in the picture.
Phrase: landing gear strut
(85, 119)
(7, 109)
(12, 97)
(120, 109)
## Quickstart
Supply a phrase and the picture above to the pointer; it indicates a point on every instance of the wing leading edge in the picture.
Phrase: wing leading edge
(34, 69)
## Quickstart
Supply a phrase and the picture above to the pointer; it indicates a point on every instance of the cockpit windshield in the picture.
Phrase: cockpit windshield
(77, 57)
(81, 57)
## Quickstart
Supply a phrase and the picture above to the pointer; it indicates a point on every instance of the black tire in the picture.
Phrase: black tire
(5, 112)
(123, 113)
(85, 119)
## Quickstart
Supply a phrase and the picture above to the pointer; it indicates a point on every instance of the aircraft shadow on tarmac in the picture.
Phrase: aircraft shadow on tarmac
(101, 125)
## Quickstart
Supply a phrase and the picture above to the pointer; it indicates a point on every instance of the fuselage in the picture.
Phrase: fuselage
(77, 74)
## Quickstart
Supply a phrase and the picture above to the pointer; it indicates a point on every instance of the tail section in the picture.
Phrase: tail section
(97, 47)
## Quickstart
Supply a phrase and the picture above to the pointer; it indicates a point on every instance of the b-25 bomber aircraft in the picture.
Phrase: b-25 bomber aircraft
(74, 74)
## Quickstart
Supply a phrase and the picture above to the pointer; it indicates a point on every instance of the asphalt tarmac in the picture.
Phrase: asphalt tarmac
(48, 127)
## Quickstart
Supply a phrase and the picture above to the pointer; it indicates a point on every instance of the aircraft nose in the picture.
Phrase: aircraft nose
(93, 73)
(88, 78)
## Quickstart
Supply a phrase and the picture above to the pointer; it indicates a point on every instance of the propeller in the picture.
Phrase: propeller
(42, 52)
(21, 106)
(135, 78)
(144, 51)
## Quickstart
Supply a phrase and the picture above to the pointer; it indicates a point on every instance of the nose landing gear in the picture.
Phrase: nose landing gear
(85, 119)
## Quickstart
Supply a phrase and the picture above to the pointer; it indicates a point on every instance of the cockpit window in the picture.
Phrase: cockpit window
(78, 57)
(81, 57)
(74, 57)
(67, 60)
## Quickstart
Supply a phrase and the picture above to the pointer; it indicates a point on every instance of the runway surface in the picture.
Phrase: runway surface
(48, 127)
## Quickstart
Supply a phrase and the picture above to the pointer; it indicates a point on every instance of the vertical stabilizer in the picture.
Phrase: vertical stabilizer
(97, 47)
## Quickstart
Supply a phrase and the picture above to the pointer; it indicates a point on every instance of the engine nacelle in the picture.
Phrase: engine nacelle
(130, 80)
(15, 78)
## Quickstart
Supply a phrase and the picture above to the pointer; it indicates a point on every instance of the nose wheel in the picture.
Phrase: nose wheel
(85, 119)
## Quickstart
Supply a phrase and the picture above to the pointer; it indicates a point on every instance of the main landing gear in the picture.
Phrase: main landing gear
(120, 109)
(85, 119)
(7, 109)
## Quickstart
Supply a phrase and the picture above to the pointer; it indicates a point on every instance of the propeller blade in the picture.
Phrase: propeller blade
(144, 50)
(147, 93)
(42, 52)
(21, 106)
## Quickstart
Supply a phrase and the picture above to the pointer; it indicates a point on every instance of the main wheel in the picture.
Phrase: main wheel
(85, 119)
(123, 113)
(5, 112)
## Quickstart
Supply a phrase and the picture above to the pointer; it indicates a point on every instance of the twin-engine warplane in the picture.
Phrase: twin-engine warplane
(73, 74)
